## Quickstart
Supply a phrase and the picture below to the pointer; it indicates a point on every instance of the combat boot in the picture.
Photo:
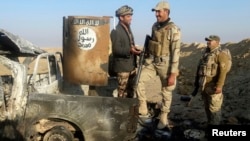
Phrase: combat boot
(143, 109)
(163, 120)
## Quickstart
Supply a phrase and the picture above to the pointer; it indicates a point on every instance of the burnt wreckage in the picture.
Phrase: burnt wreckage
(41, 98)
(34, 106)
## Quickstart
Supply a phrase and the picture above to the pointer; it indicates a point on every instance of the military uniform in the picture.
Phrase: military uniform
(163, 59)
(212, 71)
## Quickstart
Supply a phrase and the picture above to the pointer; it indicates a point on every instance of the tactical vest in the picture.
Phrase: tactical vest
(209, 62)
(160, 43)
(208, 65)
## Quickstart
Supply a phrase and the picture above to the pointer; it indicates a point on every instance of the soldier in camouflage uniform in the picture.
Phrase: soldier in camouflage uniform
(124, 52)
(212, 71)
(163, 60)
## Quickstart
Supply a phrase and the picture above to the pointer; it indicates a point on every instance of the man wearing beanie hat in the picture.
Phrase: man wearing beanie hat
(163, 60)
(124, 52)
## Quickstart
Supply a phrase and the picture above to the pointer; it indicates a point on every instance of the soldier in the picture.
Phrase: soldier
(211, 75)
(163, 60)
(124, 52)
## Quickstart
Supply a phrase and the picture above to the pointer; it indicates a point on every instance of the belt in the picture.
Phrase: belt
(158, 59)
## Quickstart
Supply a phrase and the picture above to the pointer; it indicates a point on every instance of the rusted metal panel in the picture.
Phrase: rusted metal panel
(99, 118)
(86, 49)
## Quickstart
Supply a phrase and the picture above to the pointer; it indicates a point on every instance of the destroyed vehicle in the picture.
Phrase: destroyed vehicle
(33, 106)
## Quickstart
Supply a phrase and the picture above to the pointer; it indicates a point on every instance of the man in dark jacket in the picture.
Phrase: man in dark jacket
(124, 52)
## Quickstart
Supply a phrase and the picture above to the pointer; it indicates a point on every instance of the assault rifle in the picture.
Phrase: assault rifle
(199, 86)
(197, 90)
(196, 82)
(141, 61)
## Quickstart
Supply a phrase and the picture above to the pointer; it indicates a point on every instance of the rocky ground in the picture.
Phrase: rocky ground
(236, 90)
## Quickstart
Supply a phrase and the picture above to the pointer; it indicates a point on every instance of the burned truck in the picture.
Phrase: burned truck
(38, 97)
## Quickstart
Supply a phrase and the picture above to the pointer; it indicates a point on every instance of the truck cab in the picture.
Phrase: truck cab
(36, 105)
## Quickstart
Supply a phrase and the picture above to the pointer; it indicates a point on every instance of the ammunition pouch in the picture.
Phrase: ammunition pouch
(209, 70)
(155, 48)
(214, 69)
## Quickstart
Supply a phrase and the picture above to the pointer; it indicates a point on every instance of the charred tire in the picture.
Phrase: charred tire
(58, 133)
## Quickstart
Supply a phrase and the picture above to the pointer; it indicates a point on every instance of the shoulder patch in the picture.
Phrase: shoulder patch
(228, 53)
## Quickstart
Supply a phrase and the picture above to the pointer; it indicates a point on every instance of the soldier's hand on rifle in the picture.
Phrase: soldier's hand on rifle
(135, 50)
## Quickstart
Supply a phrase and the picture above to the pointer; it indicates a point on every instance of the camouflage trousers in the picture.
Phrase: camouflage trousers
(125, 84)
(212, 104)
(148, 72)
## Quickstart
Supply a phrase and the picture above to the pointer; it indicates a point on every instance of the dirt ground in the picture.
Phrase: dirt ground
(236, 89)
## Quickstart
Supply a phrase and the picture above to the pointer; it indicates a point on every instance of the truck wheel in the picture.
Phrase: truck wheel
(58, 133)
